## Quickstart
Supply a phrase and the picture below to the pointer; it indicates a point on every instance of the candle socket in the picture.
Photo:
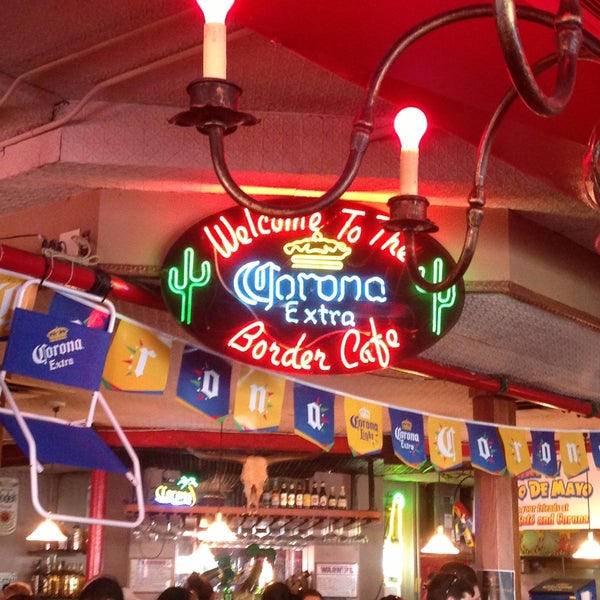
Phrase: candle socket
(409, 212)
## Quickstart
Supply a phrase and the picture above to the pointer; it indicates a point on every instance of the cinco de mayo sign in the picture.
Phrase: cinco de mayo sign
(321, 294)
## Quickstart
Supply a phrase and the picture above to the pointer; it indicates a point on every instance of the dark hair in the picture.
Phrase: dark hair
(175, 592)
(102, 588)
(200, 585)
(463, 570)
(309, 592)
(443, 585)
(277, 591)
(392, 597)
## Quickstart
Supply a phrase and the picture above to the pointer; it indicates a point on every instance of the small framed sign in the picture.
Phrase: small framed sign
(337, 580)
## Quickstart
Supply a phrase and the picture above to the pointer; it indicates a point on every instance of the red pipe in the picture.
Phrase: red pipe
(94, 281)
(95, 546)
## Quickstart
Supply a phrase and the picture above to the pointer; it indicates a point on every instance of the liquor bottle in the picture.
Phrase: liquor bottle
(306, 499)
(299, 495)
(275, 495)
(322, 496)
(291, 498)
(37, 579)
(314, 496)
(266, 497)
(332, 499)
(75, 540)
(342, 503)
(283, 495)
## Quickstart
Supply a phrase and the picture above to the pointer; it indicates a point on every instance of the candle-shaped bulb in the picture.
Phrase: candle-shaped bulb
(410, 125)
(215, 51)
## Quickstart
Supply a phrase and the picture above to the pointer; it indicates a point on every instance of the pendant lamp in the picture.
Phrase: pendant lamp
(590, 548)
(47, 531)
(218, 531)
(439, 543)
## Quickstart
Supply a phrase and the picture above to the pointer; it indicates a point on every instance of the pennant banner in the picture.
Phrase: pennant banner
(364, 426)
(486, 449)
(408, 437)
(258, 400)
(314, 415)
(516, 450)
(445, 448)
(52, 349)
(543, 453)
(137, 361)
(78, 312)
(573, 455)
(204, 382)
(595, 446)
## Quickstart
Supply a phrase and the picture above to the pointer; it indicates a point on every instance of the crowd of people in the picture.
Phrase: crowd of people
(454, 581)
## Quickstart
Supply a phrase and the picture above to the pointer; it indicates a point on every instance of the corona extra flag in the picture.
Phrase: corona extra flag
(486, 448)
(258, 400)
(137, 361)
(408, 437)
(445, 449)
(313, 415)
(364, 426)
(516, 451)
(8, 288)
(95, 317)
(573, 454)
(595, 446)
(204, 382)
(543, 453)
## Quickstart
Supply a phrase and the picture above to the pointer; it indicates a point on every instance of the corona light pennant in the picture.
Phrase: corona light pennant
(320, 294)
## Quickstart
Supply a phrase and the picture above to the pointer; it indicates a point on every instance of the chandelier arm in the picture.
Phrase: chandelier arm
(568, 41)
(474, 218)
(358, 145)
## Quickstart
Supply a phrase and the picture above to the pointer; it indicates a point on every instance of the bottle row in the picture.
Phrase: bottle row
(292, 494)
(62, 580)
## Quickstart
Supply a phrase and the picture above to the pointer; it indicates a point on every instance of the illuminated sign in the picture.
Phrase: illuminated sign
(183, 494)
(320, 294)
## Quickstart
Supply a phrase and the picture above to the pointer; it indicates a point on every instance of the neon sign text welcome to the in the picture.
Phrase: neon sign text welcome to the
(324, 293)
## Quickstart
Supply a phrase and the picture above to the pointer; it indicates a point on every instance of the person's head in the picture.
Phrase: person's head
(277, 591)
(310, 594)
(102, 588)
(465, 572)
(200, 586)
(177, 592)
(446, 586)
(16, 588)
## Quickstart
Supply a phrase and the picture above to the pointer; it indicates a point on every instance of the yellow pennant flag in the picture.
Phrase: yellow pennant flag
(258, 400)
(9, 286)
(364, 426)
(573, 454)
(445, 448)
(516, 450)
(137, 360)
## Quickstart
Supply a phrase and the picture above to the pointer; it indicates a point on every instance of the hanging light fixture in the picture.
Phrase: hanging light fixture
(439, 543)
(217, 532)
(214, 112)
(590, 548)
(48, 532)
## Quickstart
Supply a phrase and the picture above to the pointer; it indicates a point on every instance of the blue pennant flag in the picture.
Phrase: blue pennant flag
(77, 312)
(408, 437)
(205, 382)
(595, 446)
(52, 349)
(543, 453)
(313, 415)
(486, 449)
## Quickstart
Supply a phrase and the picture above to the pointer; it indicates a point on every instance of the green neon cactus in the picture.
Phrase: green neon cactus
(183, 281)
(440, 300)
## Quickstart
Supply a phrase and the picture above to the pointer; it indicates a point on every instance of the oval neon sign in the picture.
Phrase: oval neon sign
(321, 294)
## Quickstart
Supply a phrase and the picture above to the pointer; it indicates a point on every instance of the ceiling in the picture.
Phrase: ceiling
(88, 88)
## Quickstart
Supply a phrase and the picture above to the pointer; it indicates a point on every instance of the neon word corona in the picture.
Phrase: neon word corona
(321, 294)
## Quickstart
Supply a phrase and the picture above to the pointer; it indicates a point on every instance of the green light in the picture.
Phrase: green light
(183, 281)
(440, 300)
(399, 500)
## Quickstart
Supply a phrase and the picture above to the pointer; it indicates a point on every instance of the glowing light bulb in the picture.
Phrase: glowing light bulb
(215, 37)
(410, 125)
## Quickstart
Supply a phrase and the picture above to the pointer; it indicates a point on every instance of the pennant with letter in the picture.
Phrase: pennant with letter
(314, 415)
(408, 437)
(258, 400)
(543, 453)
(445, 449)
(486, 449)
(516, 451)
(364, 426)
(595, 446)
(9, 287)
(573, 455)
(44, 347)
(204, 382)
(137, 361)
(95, 317)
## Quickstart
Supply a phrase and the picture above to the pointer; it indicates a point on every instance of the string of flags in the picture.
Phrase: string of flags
(63, 346)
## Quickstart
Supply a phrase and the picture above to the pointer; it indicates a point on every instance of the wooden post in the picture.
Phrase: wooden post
(95, 547)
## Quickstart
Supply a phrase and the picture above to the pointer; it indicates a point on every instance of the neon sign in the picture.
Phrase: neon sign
(184, 494)
(320, 294)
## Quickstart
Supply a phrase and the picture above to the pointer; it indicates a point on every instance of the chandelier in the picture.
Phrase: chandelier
(214, 112)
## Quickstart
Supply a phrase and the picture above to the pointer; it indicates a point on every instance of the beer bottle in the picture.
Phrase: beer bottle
(299, 495)
(306, 499)
(283, 495)
(291, 498)
(322, 496)
(331, 499)
(275, 495)
(266, 497)
(341, 501)
(314, 497)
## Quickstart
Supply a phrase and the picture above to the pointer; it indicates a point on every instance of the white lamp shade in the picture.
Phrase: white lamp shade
(47, 531)
(439, 544)
(217, 531)
(589, 549)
